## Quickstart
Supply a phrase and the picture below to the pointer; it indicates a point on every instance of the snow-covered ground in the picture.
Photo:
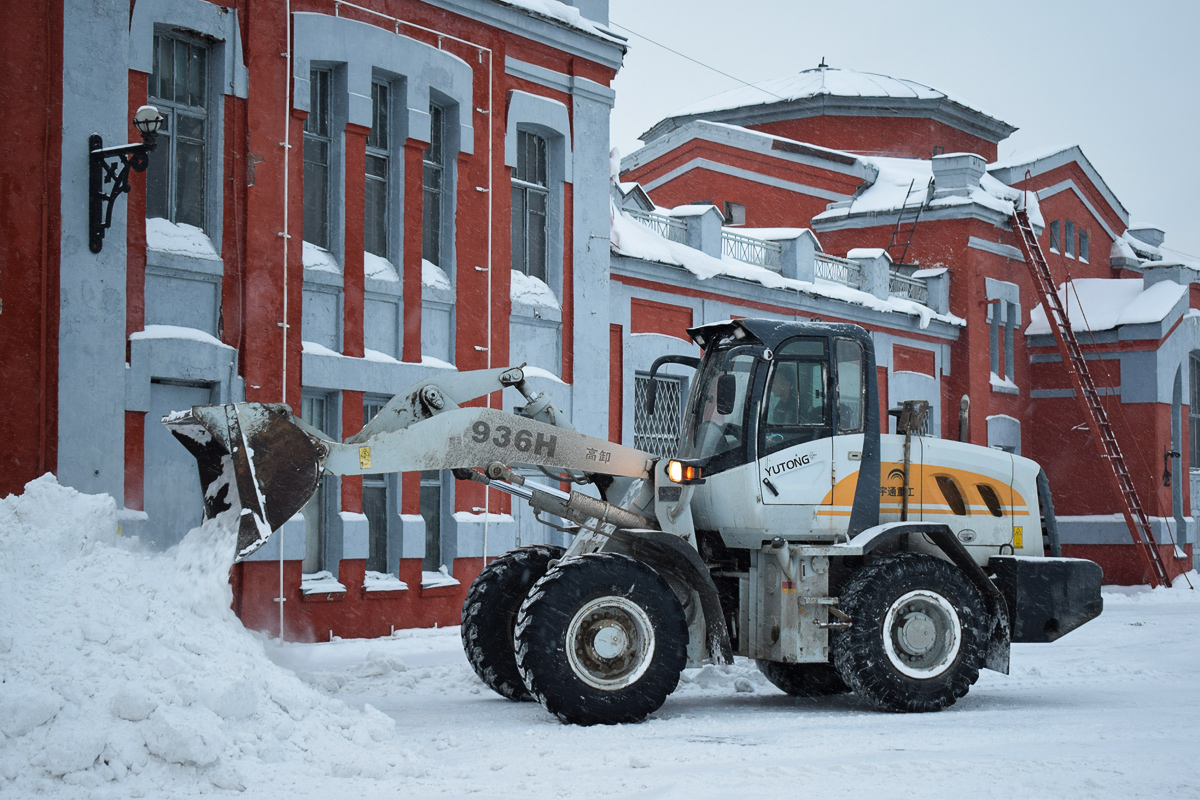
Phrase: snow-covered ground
(124, 674)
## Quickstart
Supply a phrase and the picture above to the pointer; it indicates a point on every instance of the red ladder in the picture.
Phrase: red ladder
(1089, 399)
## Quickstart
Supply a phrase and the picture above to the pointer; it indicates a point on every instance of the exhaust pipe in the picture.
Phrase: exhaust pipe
(256, 494)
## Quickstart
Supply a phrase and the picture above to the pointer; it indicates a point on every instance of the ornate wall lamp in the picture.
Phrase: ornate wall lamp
(111, 165)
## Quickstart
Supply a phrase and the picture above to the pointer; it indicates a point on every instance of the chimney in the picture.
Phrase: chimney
(957, 173)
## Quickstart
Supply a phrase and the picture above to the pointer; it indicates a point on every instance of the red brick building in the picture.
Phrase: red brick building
(345, 198)
(867, 161)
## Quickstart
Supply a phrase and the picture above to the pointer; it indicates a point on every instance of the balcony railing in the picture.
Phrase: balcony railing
(751, 250)
(667, 227)
(910, 288)
(838, 270)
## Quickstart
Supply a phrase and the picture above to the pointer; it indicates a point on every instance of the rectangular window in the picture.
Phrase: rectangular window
(1069, 239)
(315, 512)
(176, 178)
(735, 213)
(657, 433)
(530, 206)
(1054, 237)
(431, 512)
(375, 505)
(375, 231)
(318, 140)
(1083, 245)
(434, 185)
(851, 389)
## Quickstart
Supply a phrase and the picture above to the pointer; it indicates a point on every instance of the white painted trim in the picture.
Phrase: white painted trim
(744, 174)
(1063, 186)
(996, 248)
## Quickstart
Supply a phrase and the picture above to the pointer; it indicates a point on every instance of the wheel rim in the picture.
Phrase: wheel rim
(610, 642)
(922, 634)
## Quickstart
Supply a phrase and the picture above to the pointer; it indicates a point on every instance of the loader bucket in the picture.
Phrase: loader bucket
(257, 466)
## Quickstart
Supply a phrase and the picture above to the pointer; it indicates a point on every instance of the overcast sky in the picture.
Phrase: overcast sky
(1121, 80)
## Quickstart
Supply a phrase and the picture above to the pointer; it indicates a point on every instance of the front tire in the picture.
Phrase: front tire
(601, 639)
(803, 680)
(918, 635)
(490, 614)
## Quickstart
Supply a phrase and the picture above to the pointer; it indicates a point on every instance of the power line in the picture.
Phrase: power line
(695, 61)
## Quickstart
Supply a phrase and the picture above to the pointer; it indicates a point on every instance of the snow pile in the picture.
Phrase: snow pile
(434, 276)
(904, 183)
(531, 291)
(179, 238)
(378, 268)
(1102, 304)
(126, 674)
(319, 258)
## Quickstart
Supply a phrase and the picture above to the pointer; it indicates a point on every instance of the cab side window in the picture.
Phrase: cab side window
(795, 407)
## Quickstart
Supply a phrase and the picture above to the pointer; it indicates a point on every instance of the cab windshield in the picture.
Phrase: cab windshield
(716, 416)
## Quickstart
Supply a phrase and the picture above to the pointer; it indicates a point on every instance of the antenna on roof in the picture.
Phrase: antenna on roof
(822, 65)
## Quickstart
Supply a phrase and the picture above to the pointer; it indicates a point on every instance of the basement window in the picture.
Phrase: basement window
(953, 496)
(990, 499)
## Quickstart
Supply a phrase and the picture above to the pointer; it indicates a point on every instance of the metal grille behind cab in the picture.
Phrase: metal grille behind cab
(657, 433)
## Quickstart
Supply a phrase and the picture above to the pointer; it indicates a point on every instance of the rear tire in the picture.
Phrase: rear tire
(804, 680)
(601, 639)
(918, 636)
(490, 614)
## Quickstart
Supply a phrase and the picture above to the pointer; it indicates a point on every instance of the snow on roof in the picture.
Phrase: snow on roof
(811, 83)
(630, 238)
(565, 14)
(1144, 250)
(1021, 158)
(1102, 304)
(891, 191)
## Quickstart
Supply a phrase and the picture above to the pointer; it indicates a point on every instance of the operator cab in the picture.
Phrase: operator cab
(777, 416)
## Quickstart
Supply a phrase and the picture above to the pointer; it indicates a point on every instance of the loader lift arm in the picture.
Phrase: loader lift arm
(261, 464)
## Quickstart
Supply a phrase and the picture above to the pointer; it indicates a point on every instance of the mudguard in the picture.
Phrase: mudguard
(670, 555)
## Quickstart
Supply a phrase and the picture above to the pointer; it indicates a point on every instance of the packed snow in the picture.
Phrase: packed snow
(1102, 304)
(125, 674)
(630, 238)
(830, 81)
(178, 238)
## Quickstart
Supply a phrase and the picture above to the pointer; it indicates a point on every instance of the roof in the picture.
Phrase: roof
(1102, 304)
(822, 90)
(1012, 171)
(905, 182)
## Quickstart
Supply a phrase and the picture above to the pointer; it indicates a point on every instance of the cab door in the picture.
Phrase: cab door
(795, 445)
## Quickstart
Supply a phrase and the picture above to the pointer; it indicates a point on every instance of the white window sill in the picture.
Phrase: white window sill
(321, 582)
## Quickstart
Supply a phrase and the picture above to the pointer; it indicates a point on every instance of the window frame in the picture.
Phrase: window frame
(378, 151)
(169, 138)
(526, 186)
(434, 198)
(1069, 239)
(320, 115)
(1054, 236)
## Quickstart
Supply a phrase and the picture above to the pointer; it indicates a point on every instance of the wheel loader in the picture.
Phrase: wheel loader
(787, 529)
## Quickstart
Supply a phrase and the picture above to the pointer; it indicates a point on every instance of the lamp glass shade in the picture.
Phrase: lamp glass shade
(147, 119)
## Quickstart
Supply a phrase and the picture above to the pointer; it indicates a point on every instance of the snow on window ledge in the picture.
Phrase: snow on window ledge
(383, 582)
(434, 580)
(1003, 385)
(320, 259)
(178, 238)
(321, 582)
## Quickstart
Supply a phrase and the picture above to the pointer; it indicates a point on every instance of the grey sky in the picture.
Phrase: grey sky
(1121, 80)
